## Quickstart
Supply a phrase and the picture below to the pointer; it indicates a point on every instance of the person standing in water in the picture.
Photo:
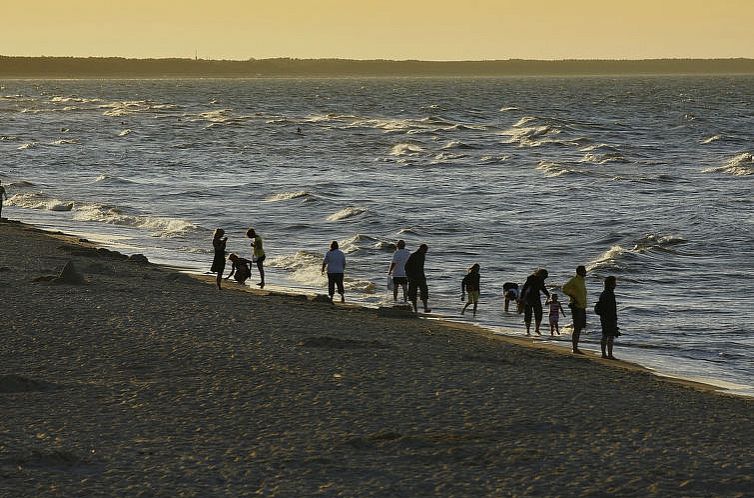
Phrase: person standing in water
(258, 255)
(398, 269)
(556, 309)
(417, 280)
(470, 284)
(218, 263)
(575, 289)
(335, 262)
(3, 196)
(607, 309)
(535, 283)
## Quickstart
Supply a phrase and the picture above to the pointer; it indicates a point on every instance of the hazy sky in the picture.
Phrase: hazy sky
(389, 29)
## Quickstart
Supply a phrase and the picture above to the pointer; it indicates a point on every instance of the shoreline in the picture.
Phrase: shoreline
(703, 385)
(142, 379)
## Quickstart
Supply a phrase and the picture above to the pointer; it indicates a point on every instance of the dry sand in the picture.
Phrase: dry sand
(145, 382)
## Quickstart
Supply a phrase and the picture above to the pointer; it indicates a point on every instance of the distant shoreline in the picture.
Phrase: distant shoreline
(117, 67)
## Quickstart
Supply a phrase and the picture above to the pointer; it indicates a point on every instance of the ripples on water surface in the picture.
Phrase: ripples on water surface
(649, 179)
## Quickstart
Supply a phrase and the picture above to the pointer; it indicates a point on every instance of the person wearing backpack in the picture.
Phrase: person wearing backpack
(607, 309)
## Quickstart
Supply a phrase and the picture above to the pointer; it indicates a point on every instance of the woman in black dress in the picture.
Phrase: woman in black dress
(218, 264)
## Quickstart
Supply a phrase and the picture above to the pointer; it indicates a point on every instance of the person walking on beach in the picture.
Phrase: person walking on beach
(534, 285)
(240, 267)
(417, 280)
(3, 196)
(218, 264)
(555, 310)
(510, 293)
(575, 289)
(258, 255)
(398, 269)
(335, 262)
(470, 285)
(607, 309)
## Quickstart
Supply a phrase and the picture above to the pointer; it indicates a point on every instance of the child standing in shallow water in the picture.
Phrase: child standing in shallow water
(470, 284)
(555, 310)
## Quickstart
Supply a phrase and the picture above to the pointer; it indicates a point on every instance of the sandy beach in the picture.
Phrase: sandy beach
(146, 382)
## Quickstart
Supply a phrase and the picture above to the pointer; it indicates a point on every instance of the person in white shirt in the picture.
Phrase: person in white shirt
(398, 269)
(335, 262)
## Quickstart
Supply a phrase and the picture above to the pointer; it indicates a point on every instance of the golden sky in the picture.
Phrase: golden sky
(385, 29)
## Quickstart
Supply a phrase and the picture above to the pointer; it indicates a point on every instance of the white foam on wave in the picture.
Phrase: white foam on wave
(8, 138)
(65, 142)
(303, 266)
(608, 259)
(39, 200)
(124, 133)
(508, 109)
(457, 144)
(158, 225)
(74, 99)
(604, 158)
(613, 258)
(110, 180)
(124, 108)
(740, 165)
(553, 170)
(493, 159)
(531, 136)
(346, 213)
(406, 149)
(27, 145)
(524, 121)
(286, 196)
(713, 138)
(21, 184)
(360, 242)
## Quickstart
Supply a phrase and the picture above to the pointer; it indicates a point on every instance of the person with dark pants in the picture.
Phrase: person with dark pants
(607, 309)
(3, 196)
(335, 263)
(417, 280)
(575, 289)
(258, 255)
(218, 263)
(534, 285)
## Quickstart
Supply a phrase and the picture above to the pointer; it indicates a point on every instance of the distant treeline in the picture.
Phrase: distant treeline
(116, 67)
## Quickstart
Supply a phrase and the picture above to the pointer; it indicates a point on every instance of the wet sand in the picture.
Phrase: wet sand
(146, 382)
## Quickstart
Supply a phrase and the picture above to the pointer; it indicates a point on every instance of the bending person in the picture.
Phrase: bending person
(417, 280)
(530, 295)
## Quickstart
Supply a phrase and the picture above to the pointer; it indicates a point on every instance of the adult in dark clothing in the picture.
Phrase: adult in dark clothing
(218, 263)
(607, 309)
(417, 281)
(534, 285)
(240, 268)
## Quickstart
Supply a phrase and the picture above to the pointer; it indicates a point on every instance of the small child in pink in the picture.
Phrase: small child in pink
(555, 310)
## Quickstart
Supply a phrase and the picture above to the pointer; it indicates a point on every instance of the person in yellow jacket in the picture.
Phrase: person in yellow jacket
(257, 255)
(575, 289)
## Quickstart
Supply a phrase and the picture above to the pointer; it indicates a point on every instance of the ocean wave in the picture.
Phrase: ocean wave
(524, 121)
(531, 136)
(124, 108)
(446, 158)
(82, 211)
(603, 158)
(457, 144)
(74, 99)
(303, 266)
(221, 117)
(26, 146)
(21, 184)
(617, 258)
(493, 159)
(508, 109)
(9, 138)
(404, 149)
(360, 242)
(124, 133)
(39, 200)
(713, 138)
(346, 213)
(286, 196)
(740, 165)
(72, 141)
(553, 170)
(113, 180)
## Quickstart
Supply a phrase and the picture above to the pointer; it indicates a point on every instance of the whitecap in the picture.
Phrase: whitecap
(457, 144)
(124, 133)
(304, 267)
(346, 213)
(740, 165)
(508, 109)
(713, 138)
(65, 142)
(404, 149)
(39, 200)
(285, 196)
(553, 170)
(26, 146)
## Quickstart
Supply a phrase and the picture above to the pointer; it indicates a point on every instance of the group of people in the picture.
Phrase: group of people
(528, 300)
(240, 267)
(406, 271)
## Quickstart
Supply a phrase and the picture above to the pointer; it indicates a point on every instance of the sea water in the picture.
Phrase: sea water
(646, 178)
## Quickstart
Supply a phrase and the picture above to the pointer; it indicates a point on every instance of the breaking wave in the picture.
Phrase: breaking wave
(617, 258)
(346, 213)
(286, 196)
(740, 165)
(405, 149)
